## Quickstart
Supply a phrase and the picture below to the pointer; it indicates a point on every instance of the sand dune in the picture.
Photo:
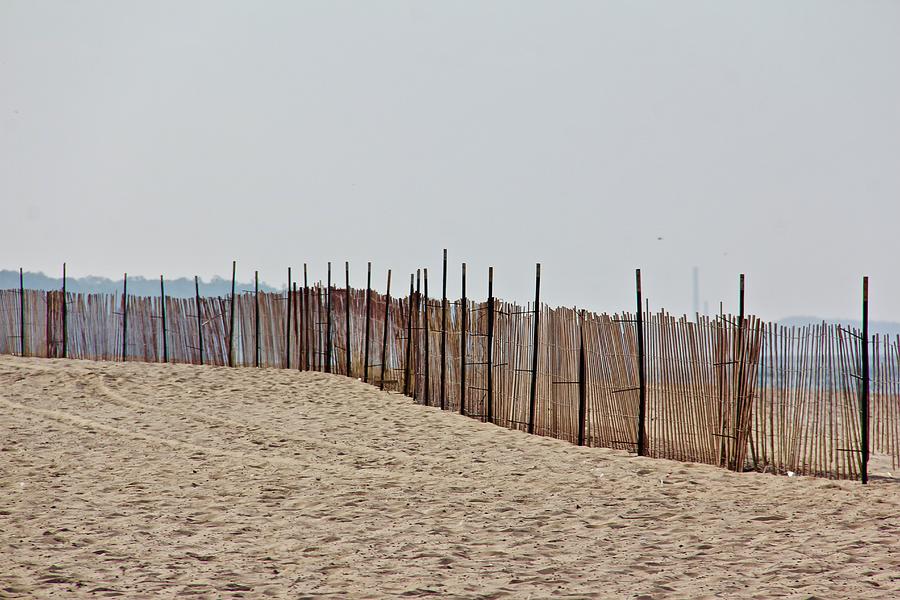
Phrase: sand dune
(144, 480)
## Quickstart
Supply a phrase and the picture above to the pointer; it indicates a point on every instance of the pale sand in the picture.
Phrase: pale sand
(155, 481)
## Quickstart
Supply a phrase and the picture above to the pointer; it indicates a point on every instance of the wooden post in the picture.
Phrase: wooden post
(306, 332)
(65, 316)
(426, 333)
(347, 319)
(162, 304)
(21, 313)
(256, 317)
(231, 317)
(418, 328)
(464, 324)
(864, 388)
(287, 328)
(582, 381)
(387, 315)
(407, 368)
(302, 322)
(320, 332)
(199, 318)
(48, 323)
(739, 388)
(125, 318)
(368, 318)
(642, 386)
(295, 319)
(328, 324)
(534, 350)
(444, 335)
(490, 346)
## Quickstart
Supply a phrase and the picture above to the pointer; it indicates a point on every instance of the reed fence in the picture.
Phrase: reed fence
(727, 390)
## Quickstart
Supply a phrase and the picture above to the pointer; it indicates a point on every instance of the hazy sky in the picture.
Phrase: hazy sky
(594, 137)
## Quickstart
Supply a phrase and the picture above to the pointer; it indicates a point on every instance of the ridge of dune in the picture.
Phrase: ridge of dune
(148, 480)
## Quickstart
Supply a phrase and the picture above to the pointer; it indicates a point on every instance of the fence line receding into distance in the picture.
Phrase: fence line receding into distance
(726, 390)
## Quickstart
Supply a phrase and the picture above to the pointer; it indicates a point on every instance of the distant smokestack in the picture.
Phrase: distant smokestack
(696, 290)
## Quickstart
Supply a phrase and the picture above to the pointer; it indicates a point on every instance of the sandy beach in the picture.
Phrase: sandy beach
(143, 480)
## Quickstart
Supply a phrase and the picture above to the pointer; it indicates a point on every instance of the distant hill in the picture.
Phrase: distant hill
(139, 286)
(882, 327)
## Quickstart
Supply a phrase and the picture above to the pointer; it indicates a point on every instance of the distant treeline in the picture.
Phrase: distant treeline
(139, 286)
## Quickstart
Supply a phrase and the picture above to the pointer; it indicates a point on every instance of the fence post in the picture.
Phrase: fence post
(306, 330)
(864, 387)
(534, 350)
(642, 386)
(301, 323)
(295, 319)
(162, 303)
(48, 322)
(426, 331)
(256, 318)
(368, 317)
(490, 347)
(739, 388)
(319, 355)
(21, 313)
(409, 314)
(287, 328)
(199, 318)
(387, 315)
(231, 317)
(125, 318)
(328, 323)
(418, 328)
(444, 335)
(462, 344)
(582, 381)
(347, 319)
(65, 317)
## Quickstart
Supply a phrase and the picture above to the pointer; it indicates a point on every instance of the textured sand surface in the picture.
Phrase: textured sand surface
(156, 480)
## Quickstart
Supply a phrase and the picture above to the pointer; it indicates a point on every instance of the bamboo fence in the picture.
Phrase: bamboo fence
(741, 394)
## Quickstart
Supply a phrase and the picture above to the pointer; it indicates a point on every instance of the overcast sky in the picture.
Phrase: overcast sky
(594, 137)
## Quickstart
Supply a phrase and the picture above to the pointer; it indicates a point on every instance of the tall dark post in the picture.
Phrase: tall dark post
(319, 356)
(162, 304)
(328, 323)
(368, 324)
(21, 313)
(199, 318)
(301, 322)
(582, 381)
(534, 350)
(296, 319)
(256, 317)
(407, 367)
(444, 335)
(387, 316)
(287, 328)
(642, 385)
(464, 326)
(306, 331)
(347, 319)
(426, 333)
(65, 316)
(415, 390)
(125, 318)
(739, 388)
(231, 317)
(864, 387)
(490, 346)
